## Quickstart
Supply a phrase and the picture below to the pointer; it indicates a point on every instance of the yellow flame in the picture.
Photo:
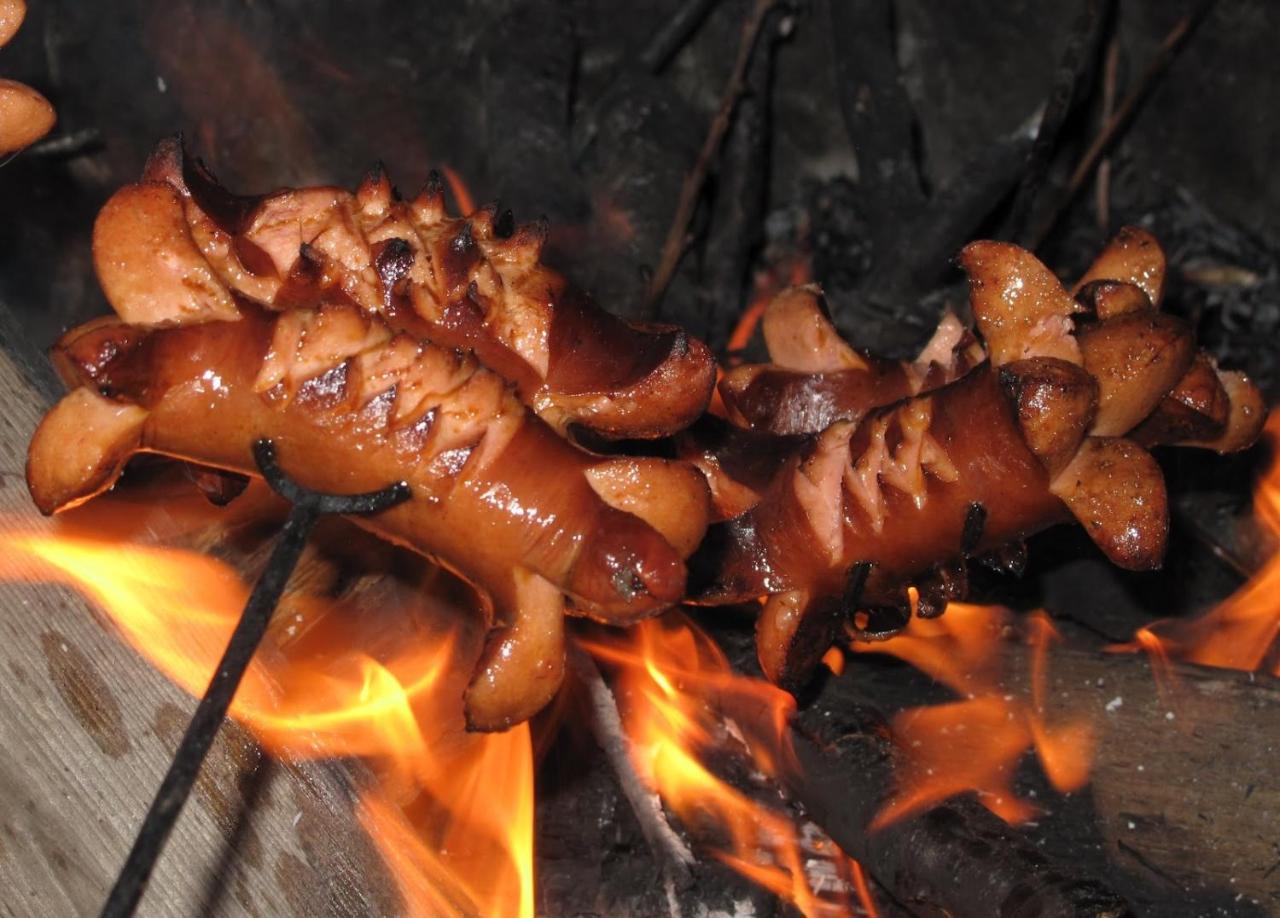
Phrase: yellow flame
(470, 852)
(1266, 500)
(677, 689)
(1242, 631)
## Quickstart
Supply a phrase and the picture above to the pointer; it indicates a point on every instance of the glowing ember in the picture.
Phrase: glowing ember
(678, 693)
(322, 686)
(976, 744)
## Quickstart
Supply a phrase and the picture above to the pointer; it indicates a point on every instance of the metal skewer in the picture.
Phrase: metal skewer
(308, 507)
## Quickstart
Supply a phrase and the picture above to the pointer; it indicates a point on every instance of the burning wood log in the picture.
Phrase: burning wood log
(1171, 827)
(1185, 793)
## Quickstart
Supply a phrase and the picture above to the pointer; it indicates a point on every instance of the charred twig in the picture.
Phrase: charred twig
(674, 34)
(308, 507)
(738, 209)
(878, 115)
(673, 248)
(1069, 85)
(68, 145)
(1111, 74)
(1168, 50)
(606, 727)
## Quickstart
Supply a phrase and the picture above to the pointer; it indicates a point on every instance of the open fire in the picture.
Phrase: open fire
(450, 811)
(1242, 631)
(382, 310)
(975, 744)
(453, 813)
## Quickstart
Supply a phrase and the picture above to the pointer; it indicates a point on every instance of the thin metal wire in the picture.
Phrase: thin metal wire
(308, 507)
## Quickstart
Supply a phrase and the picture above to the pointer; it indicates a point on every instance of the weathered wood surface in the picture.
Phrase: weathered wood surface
(1186, 783)
(86, 731)
(1182, 812)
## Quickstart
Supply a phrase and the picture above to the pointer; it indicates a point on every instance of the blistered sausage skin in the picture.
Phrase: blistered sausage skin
(1054, 425)
(497, 495)
(475, 283)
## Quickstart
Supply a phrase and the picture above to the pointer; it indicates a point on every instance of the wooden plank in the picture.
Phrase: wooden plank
(1185, 783)
(86, 731)
(1182, 812)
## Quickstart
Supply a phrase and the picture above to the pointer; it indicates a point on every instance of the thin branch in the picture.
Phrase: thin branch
(674, 34)
(1102, 200)
(673, 248)
(1164, 56)
(1074, 73)
(606, 727)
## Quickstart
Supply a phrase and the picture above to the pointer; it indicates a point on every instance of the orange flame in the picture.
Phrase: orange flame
(679, 691)
(767, 285)
(1241, 632)
(1266, 501)
(960, 649)
(976, 744)
(320, 688)
(461, 193)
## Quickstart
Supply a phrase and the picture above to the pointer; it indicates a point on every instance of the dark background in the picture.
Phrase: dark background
(875, 137)
(554, 109)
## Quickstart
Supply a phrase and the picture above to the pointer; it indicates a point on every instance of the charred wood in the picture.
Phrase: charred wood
(1170, 45)
(1070, 84)
(672, 35)
(957, 857)
(527, 79)
(877, 113)
(673, 248)
(735, 225)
